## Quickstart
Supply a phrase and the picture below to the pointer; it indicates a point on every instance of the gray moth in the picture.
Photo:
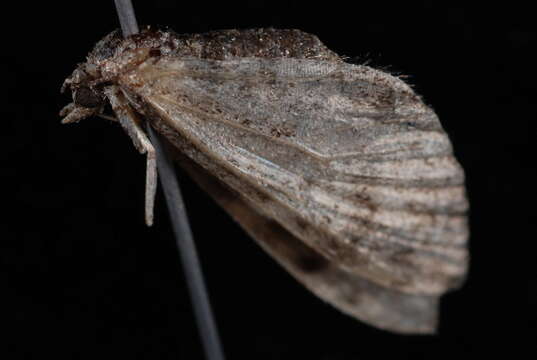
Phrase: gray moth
(339, 171)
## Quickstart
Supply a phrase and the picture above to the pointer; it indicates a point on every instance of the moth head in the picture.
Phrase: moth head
(88, 96)
(109, 58)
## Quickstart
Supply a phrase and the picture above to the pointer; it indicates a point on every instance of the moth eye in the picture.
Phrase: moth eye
(86, 97)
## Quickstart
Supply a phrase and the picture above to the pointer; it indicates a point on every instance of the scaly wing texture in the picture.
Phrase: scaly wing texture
(346, 158)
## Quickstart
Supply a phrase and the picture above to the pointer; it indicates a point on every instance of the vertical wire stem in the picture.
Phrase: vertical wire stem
(127, 18)
(181, 227)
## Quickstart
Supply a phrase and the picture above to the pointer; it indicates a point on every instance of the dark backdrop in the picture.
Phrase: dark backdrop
(83, 278)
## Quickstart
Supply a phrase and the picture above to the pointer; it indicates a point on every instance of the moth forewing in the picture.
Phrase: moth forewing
(299, 170)
(322, 162)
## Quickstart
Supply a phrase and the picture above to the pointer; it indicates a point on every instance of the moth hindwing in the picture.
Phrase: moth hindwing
(339, 171)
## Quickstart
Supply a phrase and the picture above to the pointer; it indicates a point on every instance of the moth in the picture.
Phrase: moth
(339, 171)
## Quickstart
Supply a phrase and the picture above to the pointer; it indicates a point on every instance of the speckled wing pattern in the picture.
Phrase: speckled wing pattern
(344, 158)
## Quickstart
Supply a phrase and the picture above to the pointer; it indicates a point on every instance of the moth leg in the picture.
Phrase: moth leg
(131, 123)
(73, 113)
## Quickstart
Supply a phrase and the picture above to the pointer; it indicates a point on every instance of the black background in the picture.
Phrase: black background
(83, 278)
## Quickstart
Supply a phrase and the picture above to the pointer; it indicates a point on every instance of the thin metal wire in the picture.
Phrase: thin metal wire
(127, 18)
(189, 257)
(181, 228)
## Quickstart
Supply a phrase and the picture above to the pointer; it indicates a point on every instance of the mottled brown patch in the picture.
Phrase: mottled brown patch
(222, 44)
